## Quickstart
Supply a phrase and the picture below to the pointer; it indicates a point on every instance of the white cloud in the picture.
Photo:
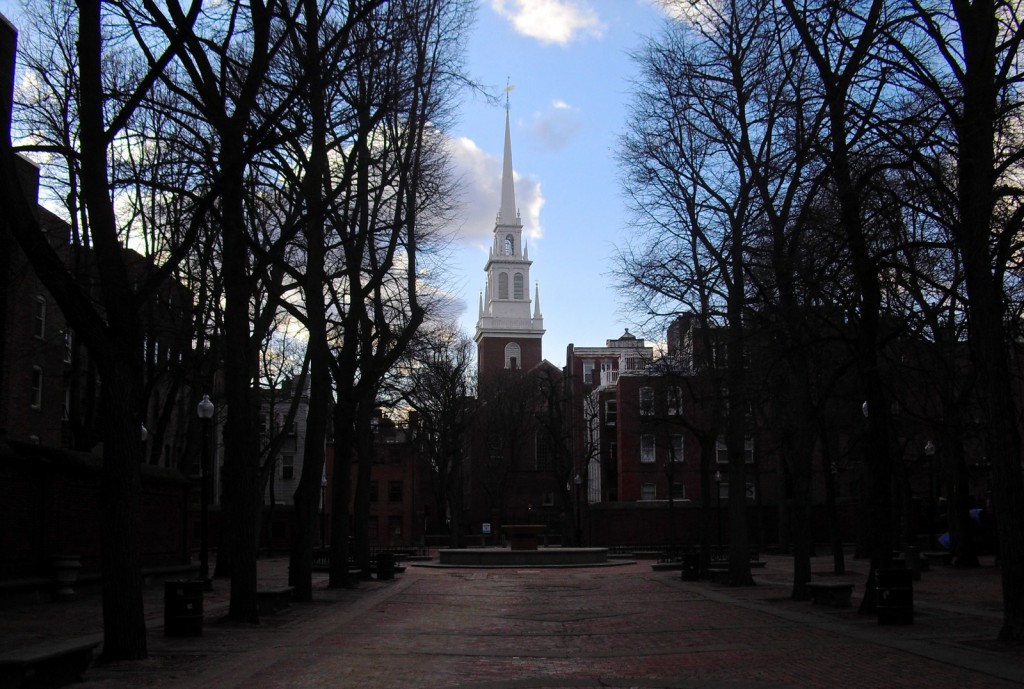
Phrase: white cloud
(685, 11)
(480, 174)
(551, 21)
(557, 126)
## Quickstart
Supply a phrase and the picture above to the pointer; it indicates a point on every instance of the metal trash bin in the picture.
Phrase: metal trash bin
(385, 566)
(895, 596)
(691, 565)
(183, 608)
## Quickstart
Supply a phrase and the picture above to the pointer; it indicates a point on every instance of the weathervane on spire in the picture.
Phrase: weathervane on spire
(509, 88)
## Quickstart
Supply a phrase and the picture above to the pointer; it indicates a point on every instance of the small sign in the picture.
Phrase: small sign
(486, 528)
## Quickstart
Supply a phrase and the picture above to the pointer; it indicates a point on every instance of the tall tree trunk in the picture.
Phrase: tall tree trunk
(309, 491)
(344, 412)
(243, 485)
(119, 357)
(989, 343)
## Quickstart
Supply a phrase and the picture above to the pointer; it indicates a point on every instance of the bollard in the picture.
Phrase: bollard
(183, 608)
(895, 591)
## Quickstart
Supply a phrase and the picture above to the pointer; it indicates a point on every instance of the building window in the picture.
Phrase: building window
(395, 526)
(674, 401)
(517, 286)
(288, 466)
(723, 491)
(646, 401)
(36, 399)
(510, 245)
(394, 491)
(722, 451)
(611, 412)
(513, 356)
(502, 285)
(588, 372)
(648, 491)
(719, 354)
(647, 452)
(40, 318)
(677, 447)
(67, 346)
(636, 363)
(548, 499)
(373, 490)
(678, 491)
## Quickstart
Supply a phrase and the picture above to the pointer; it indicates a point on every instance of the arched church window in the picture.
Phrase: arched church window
(502, 285)
(517, 286)
(510, 245)
(513, 356)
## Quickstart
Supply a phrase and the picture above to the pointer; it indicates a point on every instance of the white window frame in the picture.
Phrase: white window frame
(39, 322)
(722, 450)
(646, 401)
(723, 490)
(648, 491)
(611, 412)
(677, 447)
(287, 462)
(588, 372)
(513, 351)
(648, 449)
(36, 400)
(674, 401)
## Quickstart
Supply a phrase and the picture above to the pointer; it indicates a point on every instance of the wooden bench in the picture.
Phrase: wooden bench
(273, 601)
(834, 594)
(49, 664)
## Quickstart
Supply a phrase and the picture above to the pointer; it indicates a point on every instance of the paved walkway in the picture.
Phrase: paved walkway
(623, 626)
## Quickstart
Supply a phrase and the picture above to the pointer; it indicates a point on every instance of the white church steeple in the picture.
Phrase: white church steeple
(507, 334)
(508, 213)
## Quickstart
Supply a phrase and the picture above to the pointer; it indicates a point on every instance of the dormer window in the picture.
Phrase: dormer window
(510, 245)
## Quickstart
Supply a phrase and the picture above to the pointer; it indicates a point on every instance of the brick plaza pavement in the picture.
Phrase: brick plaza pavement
(625, 626)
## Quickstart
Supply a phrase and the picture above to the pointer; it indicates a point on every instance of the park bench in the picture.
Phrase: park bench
(835, 594)
(47, 665)
(273, 601)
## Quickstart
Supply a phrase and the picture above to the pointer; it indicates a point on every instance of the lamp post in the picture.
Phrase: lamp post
(579, 530)
(929, 452)
(323, 499)
(718, 508)
(205, 410)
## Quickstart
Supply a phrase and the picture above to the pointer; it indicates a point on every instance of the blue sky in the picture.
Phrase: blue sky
(568, 63)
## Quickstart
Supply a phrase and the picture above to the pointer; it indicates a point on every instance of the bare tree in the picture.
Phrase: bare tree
(106, 313)
(439, 389)
(964, 59)
(691, 187)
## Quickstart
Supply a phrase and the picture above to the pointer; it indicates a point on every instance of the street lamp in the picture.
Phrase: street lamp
(323, 499)
(718, 508)
(929, 452)
(579, 530)
(205, 411)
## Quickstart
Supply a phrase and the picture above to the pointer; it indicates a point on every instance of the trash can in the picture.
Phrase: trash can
(183, 608)
(385, 566)
(894, 588)
(691, 565)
